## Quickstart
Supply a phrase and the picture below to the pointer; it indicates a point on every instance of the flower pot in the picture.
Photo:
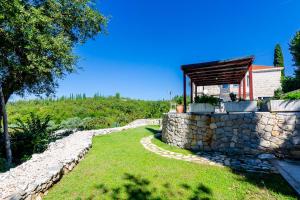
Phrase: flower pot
(179, 108)
(284, 105)
(241, 106)
(202, 108)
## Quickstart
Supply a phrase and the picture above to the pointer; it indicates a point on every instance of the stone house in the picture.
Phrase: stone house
(266, 79)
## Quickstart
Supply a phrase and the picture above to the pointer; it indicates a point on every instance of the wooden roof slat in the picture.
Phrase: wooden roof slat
(218, 72)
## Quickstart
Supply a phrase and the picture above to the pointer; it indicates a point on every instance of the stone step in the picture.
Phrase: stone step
(290, 171)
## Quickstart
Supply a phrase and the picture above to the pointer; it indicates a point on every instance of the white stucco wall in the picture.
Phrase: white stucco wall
(265, 82)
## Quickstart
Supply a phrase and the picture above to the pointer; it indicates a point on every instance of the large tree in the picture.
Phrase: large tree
(295, 51)
(37, 38)
(278, 58)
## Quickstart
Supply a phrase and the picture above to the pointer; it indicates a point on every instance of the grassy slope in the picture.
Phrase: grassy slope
(118, 167)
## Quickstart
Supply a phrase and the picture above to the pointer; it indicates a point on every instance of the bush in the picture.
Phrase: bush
(207, 99)
(290, 84)
(121, 110)
(292, 96)
(71, 123)
(232, 96)
(278, 94)
(29, 137)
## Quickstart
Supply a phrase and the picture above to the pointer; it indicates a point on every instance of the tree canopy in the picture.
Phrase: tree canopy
(37, 38)
(295, 51)
(278, 58)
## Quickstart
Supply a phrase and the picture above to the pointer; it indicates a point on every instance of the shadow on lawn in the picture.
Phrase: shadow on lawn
(270, 182)
(139, 188)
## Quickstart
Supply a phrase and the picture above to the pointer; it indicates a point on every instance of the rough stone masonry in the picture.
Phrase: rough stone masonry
(32, 179)
(235, 133)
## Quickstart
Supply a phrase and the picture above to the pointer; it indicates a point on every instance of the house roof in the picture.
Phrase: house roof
(219, 72)
(263, 67)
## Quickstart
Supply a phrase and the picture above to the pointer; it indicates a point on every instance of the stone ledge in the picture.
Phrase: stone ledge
(248, 163)
(32, 179)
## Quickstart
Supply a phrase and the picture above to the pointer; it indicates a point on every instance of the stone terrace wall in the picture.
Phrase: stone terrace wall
(235, 133)
(32, 179)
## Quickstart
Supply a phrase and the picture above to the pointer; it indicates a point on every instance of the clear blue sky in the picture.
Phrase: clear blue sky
(149, 40)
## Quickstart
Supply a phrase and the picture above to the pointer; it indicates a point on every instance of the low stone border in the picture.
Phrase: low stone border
(32, 179)
(247, 163)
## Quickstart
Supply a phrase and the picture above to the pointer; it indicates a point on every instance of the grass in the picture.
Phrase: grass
(118, 167)
(160, 143)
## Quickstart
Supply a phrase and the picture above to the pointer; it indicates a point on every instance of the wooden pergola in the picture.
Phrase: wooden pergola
(231, 71)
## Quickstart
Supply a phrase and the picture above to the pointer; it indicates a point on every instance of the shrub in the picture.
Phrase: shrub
(278, 93)
(290, 84)
(232, 96)
(207, 99)
(292, 96)
(71, 123)
(29, 137)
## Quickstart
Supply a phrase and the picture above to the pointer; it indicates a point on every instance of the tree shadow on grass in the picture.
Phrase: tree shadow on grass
(153, 130)
(270, 182)
(139, 188)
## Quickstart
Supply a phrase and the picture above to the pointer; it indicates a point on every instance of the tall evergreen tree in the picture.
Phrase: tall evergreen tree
(295, 51)
(278, 58)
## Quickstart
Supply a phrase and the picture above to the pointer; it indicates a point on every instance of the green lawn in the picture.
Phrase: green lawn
(118, 167)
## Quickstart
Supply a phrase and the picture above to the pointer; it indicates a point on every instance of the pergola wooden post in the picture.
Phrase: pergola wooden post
(192, 98)
(184, 92)
(196, 90)
(239, 92)
(218, 73)
(250, 83)
(244, 88)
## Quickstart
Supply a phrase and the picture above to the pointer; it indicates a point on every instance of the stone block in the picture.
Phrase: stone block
(213, 126)
(296, 140)
(265, 143)
(275, 133)
(268, 128)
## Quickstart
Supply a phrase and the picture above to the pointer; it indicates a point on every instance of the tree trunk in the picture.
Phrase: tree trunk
(5, 129)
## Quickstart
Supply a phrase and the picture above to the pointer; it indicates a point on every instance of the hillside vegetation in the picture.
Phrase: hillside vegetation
(88, 113)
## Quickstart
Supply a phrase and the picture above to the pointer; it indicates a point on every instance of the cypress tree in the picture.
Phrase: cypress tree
(295, 51)
(278, 58)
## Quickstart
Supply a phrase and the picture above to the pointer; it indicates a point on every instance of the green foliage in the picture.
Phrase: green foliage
(80, 113)
(278, 58)
(278, 93)
(292, 95)
(178, 99)
(37, 39)
(118, 95)
(71, 123)
(295, 51)
(30, 136)
(290, 83)
(207, 99)
(232, 96)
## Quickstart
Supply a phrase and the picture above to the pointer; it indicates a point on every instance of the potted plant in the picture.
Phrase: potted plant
(179, 102)
(289, 102)
(204, 104)
(241, 105)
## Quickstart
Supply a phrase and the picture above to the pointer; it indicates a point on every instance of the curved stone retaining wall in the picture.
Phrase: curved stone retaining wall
(235, 133)
(32, 179)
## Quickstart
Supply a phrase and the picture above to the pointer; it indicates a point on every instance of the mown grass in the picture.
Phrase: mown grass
(160, 143)
(118, 167)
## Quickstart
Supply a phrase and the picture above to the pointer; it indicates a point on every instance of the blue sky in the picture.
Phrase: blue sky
(147, 41)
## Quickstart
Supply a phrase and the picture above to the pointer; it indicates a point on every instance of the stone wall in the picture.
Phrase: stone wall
(235, 133)
(32, 179)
